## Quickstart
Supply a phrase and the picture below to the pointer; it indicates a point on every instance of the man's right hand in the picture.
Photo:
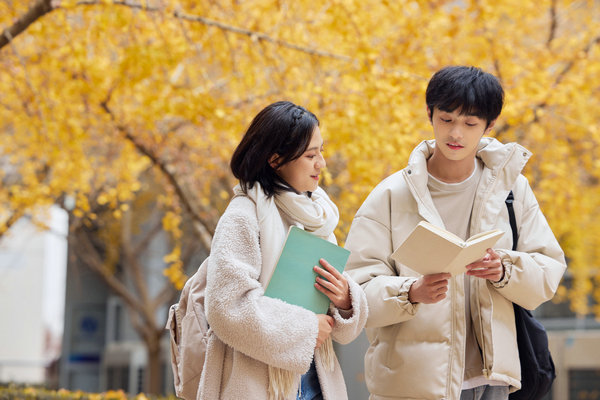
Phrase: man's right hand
(429, 289)
(325, 328)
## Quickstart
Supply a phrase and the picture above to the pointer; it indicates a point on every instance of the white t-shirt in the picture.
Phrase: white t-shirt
(454, 202)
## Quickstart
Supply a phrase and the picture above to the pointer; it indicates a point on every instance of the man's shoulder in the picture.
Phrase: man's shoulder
(391, 191)
(390, 185)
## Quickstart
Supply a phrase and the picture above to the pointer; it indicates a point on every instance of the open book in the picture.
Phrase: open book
(293, 279)
(430, 249)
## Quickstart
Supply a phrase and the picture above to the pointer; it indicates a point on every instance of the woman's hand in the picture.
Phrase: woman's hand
(325, 328)
(334, 285)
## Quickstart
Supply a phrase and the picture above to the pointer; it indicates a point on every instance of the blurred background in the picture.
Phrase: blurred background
(118, 119)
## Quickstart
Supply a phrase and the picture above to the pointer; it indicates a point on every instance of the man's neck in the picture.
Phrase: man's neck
(450, 171)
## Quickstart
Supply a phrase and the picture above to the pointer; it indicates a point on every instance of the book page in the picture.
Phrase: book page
(430, 249)
(442, 232)
(474, 238)
(474, 250)
(425, 251)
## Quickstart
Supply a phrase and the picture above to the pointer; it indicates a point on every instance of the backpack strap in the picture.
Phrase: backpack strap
(537, 367)
(511, 217)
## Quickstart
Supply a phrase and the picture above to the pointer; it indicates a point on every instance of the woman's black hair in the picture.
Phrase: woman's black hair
(469, 89)
(283, 129)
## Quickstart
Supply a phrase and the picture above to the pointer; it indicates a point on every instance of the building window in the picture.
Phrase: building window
(117, 378)
(584, 384)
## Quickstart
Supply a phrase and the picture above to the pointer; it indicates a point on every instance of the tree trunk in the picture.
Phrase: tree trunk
(153, 384)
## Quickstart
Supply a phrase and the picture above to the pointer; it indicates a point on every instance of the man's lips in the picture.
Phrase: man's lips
(315, 177)
(454, 146)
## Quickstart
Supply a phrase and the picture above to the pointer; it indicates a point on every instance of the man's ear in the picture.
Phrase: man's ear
(490, 126)
(429, 114)
(273, 161)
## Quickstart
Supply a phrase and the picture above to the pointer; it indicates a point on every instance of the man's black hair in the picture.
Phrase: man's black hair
(468, 89)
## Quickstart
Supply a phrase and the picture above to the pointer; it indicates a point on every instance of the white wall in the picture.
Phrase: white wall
(32, 293)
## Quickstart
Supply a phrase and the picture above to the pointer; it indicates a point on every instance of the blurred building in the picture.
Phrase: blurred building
(32, 294)
(101, 349)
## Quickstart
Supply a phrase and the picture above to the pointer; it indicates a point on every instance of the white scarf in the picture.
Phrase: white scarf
(316, 214)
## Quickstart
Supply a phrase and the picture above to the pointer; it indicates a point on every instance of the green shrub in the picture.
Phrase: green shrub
(19, 392)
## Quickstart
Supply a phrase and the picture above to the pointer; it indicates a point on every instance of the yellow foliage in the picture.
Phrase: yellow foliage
(97, 97)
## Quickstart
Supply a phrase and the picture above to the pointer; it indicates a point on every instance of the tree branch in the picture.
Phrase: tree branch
(87, 252)
(225, 27)
(131, 258)
(38, 10)
(10, 221)
(199, 224)
(559, 78)
(553, 23)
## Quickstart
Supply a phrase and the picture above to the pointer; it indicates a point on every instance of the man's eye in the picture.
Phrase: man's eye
(445, 120)
(471, 124)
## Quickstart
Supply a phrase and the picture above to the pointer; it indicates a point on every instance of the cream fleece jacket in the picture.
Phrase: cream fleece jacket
(250, 331)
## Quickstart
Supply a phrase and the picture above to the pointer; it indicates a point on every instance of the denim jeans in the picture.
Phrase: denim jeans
(485, 392)
(310, 389)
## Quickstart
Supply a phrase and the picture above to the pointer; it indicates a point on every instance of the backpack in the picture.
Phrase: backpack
(537, 366)
(188, 331)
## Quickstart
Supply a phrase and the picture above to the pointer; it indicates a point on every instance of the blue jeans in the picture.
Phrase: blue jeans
(485, 392)
(310, 389)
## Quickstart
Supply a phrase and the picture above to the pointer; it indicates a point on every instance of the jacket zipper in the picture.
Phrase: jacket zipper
(485, 370)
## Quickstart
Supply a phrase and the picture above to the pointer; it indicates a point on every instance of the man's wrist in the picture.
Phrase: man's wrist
(506, 271)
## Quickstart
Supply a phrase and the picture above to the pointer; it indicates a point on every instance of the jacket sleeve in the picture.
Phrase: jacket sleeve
(266, 329)
(538, 264)
(346, 330)
(370, 243)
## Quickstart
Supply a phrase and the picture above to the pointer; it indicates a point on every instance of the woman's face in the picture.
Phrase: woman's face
(303, 173)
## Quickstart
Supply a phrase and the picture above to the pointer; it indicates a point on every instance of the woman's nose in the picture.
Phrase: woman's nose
(321, 161)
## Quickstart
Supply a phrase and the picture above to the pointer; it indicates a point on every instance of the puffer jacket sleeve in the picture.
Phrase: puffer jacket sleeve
(266, 329)
(370, 243)
(538, 264)
(346, 330)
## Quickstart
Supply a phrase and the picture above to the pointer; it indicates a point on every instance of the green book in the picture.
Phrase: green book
(293, 279)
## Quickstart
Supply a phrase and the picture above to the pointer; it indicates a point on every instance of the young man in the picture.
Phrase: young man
(436, 337)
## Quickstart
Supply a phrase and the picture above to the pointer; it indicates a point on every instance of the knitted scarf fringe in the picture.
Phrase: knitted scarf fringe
(283, 384)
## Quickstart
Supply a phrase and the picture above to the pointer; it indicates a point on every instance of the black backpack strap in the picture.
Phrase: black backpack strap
(537, 367)
(511, 217)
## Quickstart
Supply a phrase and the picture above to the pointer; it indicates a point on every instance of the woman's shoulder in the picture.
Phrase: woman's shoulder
(240, 211)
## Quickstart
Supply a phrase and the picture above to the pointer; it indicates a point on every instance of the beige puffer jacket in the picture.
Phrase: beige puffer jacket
(417, 351)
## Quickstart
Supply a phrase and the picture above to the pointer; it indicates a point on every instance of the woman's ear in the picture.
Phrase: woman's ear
(273, 161)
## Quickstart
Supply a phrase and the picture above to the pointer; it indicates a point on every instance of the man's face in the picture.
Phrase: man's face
(456, 135)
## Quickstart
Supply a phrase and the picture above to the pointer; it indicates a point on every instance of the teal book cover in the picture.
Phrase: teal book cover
(293, 279)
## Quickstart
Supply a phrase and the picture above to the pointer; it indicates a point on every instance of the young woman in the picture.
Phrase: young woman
(260, 347)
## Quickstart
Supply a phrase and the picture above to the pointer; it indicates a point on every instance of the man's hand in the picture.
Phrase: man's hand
(429, 289)
(489, 267)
